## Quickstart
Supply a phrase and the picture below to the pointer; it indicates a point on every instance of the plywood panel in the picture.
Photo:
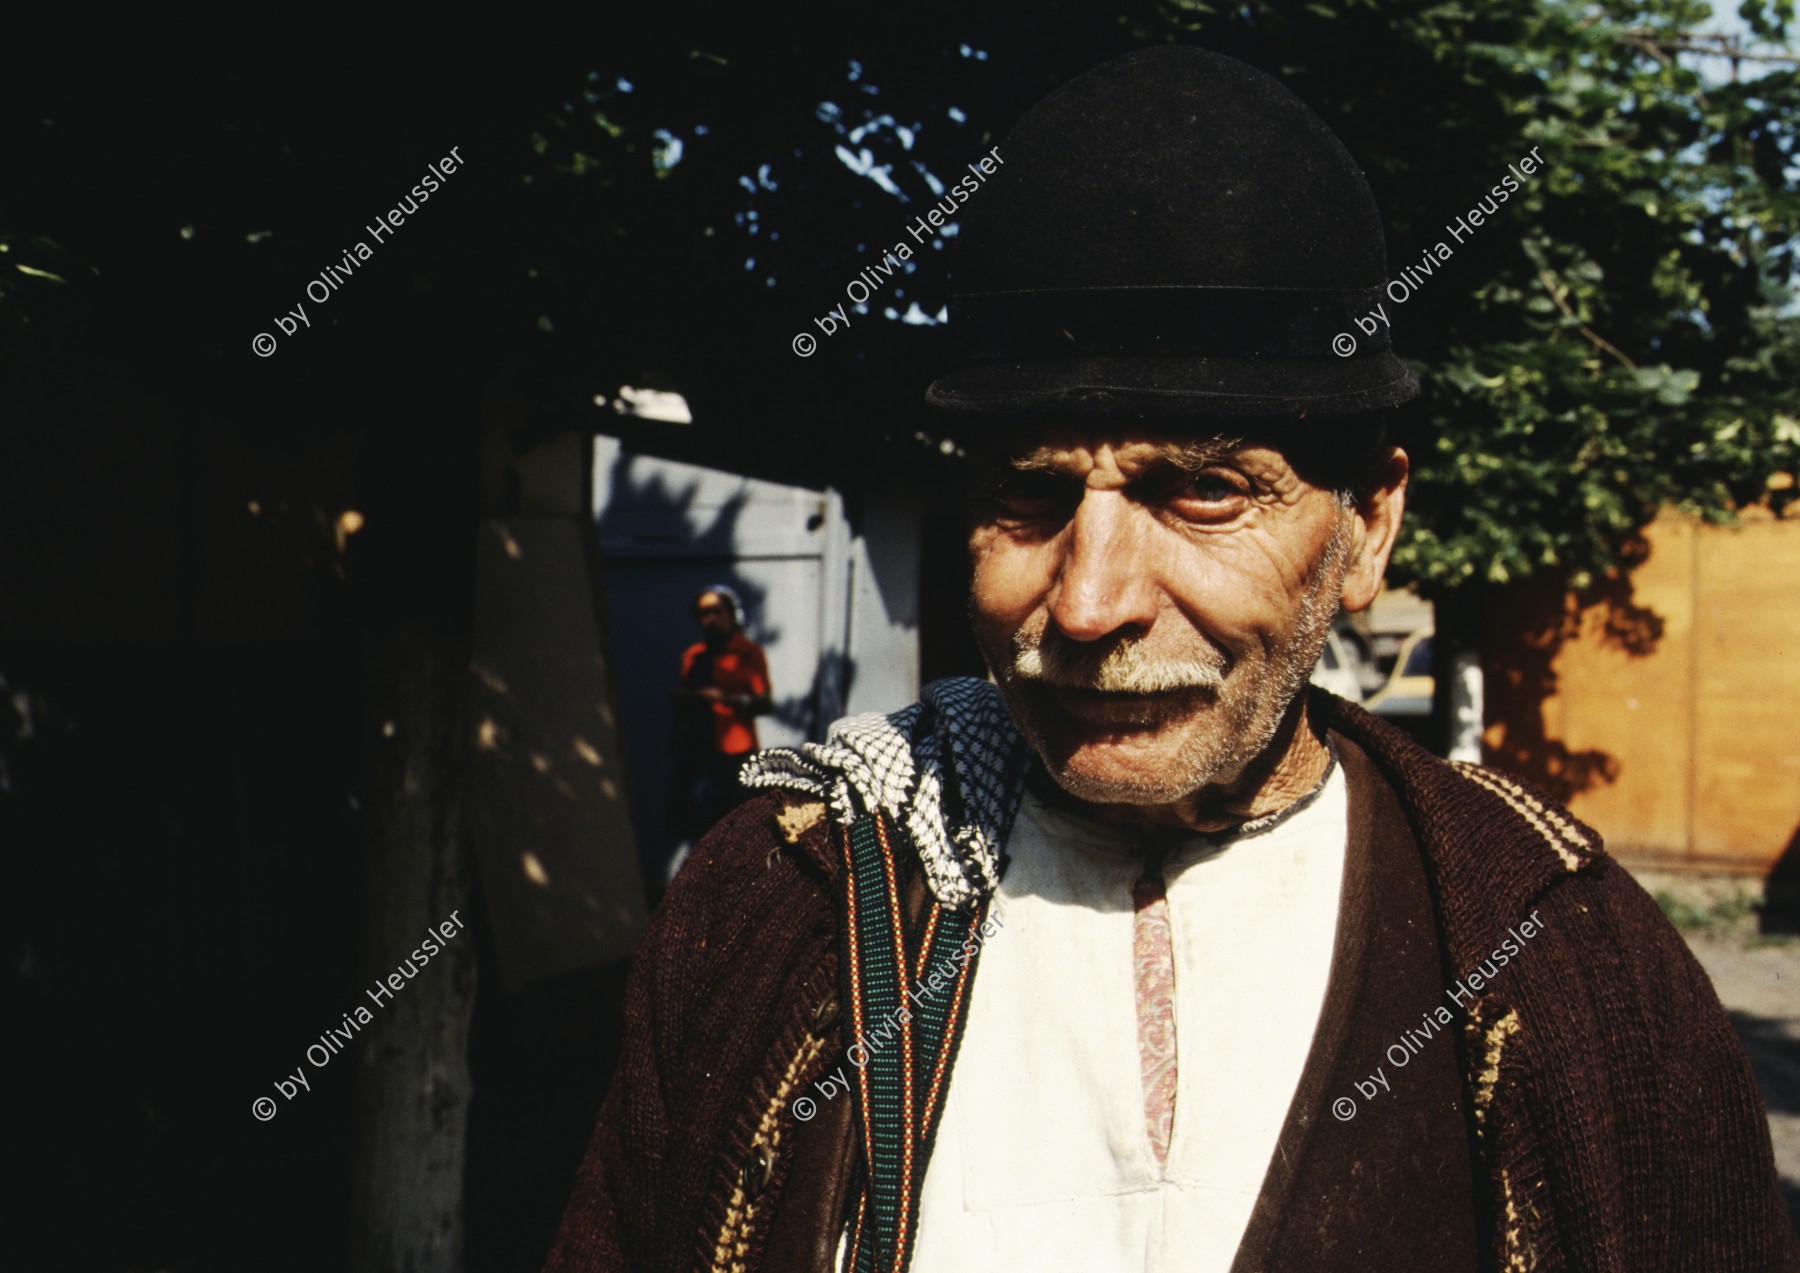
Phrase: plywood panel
(1687, 690)
(1637, 707)
(1747, 681)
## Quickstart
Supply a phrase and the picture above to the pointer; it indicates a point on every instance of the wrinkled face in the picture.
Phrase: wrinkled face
(717, 618)
(1151, 605)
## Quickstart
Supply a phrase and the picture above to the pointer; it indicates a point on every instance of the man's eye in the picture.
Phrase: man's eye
(1209, 495)
(1208, 486)
(1033, 494)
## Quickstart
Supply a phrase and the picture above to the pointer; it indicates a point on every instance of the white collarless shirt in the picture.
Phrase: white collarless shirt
(1042, 1161)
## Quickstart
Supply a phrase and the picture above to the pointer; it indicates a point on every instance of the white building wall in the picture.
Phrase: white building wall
(884, 607)
(835, 608)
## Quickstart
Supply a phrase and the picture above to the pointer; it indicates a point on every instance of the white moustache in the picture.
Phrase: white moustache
(1124, 669)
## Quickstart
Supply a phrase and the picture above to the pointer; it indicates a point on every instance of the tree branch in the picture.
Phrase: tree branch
(1659, 45)
(1552, 285)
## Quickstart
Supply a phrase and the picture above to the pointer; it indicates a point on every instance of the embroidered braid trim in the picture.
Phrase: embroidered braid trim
(732, 1247)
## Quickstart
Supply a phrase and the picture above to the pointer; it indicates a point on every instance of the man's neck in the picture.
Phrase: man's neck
(1295, 761)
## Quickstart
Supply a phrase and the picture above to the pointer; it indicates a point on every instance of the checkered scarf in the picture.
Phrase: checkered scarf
(950, 769)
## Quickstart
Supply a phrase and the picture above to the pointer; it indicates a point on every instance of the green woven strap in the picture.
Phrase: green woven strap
(908, 997)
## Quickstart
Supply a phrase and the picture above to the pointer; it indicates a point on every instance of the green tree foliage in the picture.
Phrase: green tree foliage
(1628, 340)
(1622, 335)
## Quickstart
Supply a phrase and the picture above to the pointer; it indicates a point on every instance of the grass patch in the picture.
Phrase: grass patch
(1729, 914)
(1764, 940)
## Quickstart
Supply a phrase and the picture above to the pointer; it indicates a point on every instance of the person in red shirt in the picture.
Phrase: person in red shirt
(724, 687)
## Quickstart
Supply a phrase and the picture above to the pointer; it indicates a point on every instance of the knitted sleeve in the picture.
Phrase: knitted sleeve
(611, 1219)
(716, 985)
(1722, 1207)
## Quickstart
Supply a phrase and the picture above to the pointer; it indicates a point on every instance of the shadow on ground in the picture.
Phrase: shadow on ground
(1774, 1052)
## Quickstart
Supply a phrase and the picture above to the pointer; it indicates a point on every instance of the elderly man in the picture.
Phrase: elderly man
(1142, 956)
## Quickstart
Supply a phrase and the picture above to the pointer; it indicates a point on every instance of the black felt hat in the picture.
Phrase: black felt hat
(1172, 234)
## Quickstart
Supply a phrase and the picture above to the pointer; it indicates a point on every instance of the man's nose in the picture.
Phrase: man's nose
(1105, 582)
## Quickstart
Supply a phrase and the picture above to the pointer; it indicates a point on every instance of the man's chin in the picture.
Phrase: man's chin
(1103, 776)
(1123, 754)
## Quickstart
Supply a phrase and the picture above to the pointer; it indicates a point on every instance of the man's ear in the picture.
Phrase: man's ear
(1376, 527)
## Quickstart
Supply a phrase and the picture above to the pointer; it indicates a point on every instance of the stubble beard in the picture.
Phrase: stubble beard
(1232, 719)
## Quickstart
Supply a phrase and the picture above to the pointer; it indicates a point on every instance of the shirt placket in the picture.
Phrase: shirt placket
(1153, 966)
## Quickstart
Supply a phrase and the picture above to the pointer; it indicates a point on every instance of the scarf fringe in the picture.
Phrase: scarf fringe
(950, 769)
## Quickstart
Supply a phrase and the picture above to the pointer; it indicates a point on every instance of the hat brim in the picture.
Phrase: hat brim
(1169, 388)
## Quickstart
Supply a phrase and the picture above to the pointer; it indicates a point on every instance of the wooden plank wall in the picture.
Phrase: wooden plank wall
(1669, 716)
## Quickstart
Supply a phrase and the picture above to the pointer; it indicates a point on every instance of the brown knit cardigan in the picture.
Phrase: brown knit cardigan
(1617, 1120)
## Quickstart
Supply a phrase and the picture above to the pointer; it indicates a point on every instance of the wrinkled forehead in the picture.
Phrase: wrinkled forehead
(1048, 445)
(1322, 453)
(1075, 450)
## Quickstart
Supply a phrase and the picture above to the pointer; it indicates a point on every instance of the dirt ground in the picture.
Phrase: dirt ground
(1758, 981)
